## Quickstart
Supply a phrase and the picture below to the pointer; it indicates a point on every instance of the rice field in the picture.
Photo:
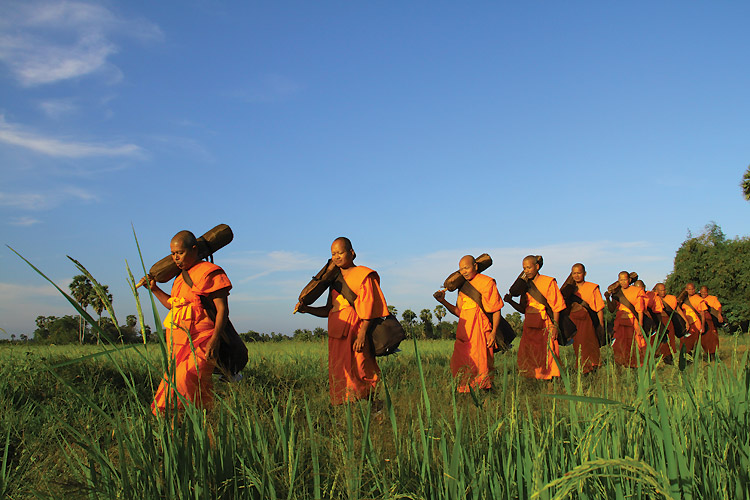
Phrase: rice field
(77, 424)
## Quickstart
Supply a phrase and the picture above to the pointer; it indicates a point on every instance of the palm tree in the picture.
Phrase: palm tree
(746, 184)
(426, 316)
(409, 318)
(440, 312)
(392, 310)
(98, 303)
(81, 289)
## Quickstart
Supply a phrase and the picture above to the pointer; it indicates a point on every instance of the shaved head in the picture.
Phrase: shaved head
(185, 238)
(640, 284)
(345, 241)
(468, 259)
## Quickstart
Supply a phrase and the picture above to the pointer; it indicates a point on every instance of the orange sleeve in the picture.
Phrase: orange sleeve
(491, 297)
(595, 300)
(640, 301)
(212, 282)
(370, 303)
(554, 297)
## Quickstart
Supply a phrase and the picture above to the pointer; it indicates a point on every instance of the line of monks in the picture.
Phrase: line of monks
(552, 315)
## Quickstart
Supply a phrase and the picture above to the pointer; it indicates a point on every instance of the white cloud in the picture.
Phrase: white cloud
(45, 200)
(260, 264)
(56, 108)
(44, 42)
(16, 136)
(23, 221)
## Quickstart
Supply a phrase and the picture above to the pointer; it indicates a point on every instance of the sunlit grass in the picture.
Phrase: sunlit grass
(78, 425)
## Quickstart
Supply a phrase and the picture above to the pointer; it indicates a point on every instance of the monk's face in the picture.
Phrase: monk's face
(661, 291)
(624, 280)
(530, 268)
(184, 257)
(341, 256)
(690, 289)
(704, 291)
(468, 268)
(579, 275)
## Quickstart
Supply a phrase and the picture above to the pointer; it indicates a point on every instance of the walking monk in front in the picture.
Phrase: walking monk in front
(541, 306)
(473, 357)
(353, 372)
(193, 338)
(629, 346)
(585, 304)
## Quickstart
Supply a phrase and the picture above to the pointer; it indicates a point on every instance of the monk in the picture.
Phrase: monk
(629, 346)
(586, 300)
(353, 373)
(193, 339)
(714, 306)
(708, 334)
(668, 346)
(472, 363)
(694, 307)
(539, 339)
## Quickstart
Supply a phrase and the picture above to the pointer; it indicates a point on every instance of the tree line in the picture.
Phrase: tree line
(710, 259)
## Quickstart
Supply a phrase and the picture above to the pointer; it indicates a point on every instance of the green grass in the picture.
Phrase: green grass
(77, 424)
(84, 430)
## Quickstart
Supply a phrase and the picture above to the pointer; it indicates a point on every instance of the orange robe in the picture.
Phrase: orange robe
(710, 339)
(472, 360)
(537, 344)
(629, 346)
(585, 341)
(353, 375)
(670, 346)
(695, 324)
(187, 322)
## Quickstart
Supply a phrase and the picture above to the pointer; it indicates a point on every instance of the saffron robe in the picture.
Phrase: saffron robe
(696, 323)
(670, 346)
(585, 342)
(629, 346)
(472, 361)
(353, 375)
(188, 323)
(538, 342)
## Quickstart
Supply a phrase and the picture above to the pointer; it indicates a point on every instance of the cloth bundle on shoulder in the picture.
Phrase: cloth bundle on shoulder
(218, 237)
(456, 281)
(521, 286)
(385, 333)
(615, 287)
(319, 283)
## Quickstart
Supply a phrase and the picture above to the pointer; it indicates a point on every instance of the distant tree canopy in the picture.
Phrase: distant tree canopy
(723, 265)
(745, 184)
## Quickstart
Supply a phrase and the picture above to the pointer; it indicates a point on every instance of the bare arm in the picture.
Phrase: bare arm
(611, 304)
(517, 306)
(222, 316)
(440, 297)
(158, 292)
(492, 337)
(359, 342)
(320, 312)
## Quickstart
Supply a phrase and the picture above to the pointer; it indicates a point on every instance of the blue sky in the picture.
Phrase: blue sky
(585, 131)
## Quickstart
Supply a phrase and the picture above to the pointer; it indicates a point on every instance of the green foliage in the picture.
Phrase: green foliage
(723, 265)
(516, 321)
(745, 184)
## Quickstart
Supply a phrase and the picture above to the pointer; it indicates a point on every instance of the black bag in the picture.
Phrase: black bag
(233, 354)
(504, 328)
(385, 334)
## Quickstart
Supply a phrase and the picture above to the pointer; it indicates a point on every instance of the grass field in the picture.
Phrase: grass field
(80, 427)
